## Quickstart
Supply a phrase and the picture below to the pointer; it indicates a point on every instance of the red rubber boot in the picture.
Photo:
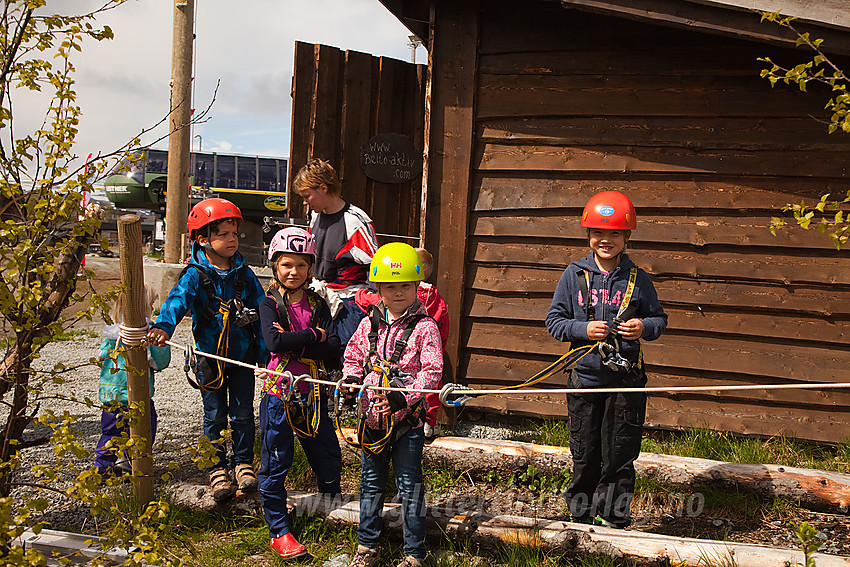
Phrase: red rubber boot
(288, 547)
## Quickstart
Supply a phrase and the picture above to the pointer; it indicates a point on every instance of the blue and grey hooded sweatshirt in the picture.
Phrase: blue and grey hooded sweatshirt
(188, 295)
(567, 318)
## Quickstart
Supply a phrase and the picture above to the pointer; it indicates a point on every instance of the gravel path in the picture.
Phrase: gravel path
(178, 406)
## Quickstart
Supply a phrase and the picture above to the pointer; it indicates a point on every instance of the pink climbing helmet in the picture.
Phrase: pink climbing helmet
(293, 240)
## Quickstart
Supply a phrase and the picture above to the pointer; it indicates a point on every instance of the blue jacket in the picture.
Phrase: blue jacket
(113, 370)
(567, 318)
(188, 295)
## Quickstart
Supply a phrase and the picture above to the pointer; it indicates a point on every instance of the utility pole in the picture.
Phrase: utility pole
(180, 135)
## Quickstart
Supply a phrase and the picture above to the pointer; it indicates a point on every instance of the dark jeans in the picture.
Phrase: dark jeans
(322, 453)
(235, 399)
(406, 455)
(348, 319)
(113, 425)
(605, 437)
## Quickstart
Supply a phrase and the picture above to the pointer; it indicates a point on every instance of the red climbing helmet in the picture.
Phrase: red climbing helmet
(293, 240)
(610, 210)
(210, 210)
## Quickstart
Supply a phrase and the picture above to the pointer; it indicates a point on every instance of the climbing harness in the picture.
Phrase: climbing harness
(210, 376)
(609, 349)
(374, 441)
(301, 409)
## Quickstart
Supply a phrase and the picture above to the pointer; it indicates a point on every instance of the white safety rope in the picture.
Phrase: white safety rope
(132, 336)
(469, 391)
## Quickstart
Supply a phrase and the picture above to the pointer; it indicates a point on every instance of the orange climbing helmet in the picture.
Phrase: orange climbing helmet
(211, 210)
(610, 210)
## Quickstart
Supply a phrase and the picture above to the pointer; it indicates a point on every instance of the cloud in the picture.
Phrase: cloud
(123, 84)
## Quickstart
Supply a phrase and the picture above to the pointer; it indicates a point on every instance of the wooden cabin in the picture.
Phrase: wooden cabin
(534, 105)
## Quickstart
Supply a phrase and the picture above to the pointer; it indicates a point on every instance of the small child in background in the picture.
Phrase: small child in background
(435, 307)
(112, 391)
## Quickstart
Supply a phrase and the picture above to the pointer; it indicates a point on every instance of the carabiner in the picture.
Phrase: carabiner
(296, 379)
(448, 389)
(188, 360)
(338, 399)
(363, 389)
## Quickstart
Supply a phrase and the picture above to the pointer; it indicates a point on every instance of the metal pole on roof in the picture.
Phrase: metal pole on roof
(413, 43)
(180, 135)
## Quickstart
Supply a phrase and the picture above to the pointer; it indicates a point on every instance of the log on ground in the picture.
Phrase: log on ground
(567, 537)
(817, 490)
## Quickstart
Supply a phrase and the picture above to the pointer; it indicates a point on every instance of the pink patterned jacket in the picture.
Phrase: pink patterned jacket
(423, 358)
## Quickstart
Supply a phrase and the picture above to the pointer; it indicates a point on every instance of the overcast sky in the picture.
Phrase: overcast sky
(122, 84)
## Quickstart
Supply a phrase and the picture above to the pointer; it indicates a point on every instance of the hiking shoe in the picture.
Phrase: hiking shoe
(410, 561)
(246, 479)
(220, 485)
(364, 557)
(288, 547)
(432, 431)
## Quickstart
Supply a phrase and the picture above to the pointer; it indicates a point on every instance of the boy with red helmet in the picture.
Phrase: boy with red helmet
(607, 301)
(223, 294)
(301, 336)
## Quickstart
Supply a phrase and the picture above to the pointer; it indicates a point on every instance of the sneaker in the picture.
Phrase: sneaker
(220, 485)
(410, 561)
(288, 547)
(364, 557)
(246, 478)
(600, 521)
(432, 431)
(123, 466)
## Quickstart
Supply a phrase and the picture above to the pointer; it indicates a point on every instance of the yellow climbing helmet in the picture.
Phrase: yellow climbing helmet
(395, 262)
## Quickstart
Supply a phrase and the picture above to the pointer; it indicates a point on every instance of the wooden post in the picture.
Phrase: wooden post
(450, 141)
(138, 388)
(179, 133)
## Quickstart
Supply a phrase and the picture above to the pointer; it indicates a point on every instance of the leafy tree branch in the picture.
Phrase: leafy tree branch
(829, 215)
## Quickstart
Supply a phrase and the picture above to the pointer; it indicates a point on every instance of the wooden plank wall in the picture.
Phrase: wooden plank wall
(570, 103)
(339, 100)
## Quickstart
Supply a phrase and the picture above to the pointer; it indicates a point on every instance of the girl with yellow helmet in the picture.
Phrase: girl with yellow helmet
(405, 351)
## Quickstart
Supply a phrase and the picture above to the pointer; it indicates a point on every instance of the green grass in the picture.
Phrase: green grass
(720, 446)
(220, 541)
(701, 442)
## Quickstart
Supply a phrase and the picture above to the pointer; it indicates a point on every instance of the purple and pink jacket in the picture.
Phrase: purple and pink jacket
(422, 359)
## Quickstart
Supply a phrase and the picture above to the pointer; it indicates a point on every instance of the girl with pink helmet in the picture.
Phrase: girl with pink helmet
(299, 331)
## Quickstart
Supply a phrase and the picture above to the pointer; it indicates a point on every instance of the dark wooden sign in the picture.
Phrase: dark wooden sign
(390, 158)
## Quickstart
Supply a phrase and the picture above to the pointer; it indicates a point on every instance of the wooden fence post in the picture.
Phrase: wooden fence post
(138, 388)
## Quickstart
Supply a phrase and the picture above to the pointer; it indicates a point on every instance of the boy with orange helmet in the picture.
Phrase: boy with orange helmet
(223, 294)
(607, 301)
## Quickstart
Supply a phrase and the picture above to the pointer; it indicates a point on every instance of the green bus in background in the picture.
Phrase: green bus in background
(257, 185)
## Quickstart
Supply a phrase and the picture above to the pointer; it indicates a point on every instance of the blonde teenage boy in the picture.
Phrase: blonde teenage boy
(345, 239)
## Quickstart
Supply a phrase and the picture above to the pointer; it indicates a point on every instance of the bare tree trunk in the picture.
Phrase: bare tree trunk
(15, 369)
